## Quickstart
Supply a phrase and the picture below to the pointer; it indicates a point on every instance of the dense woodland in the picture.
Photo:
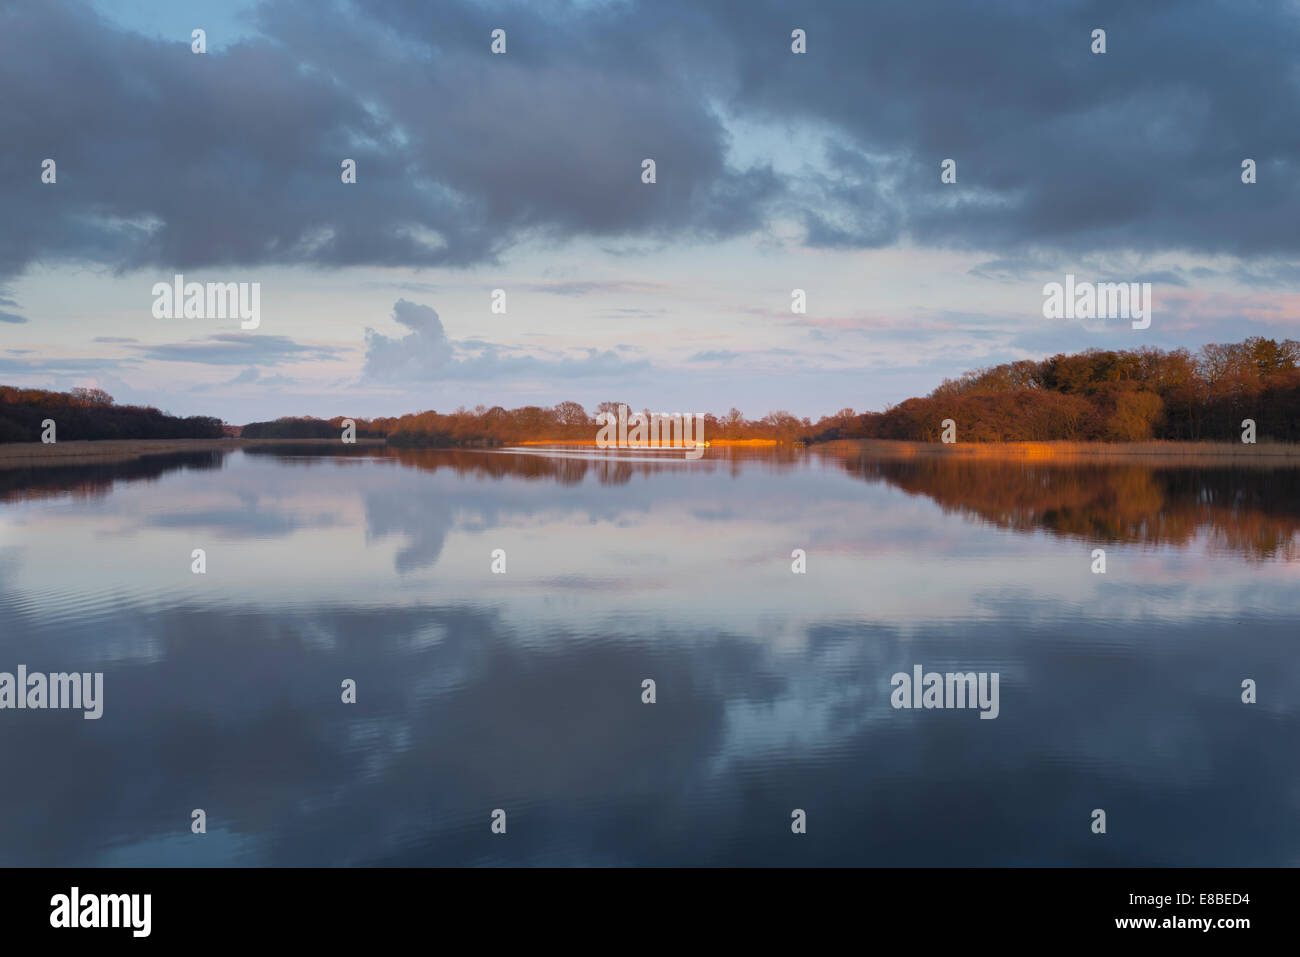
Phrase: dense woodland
(92, 414)
(1098, 395)
(496, 426)
(1104, 395)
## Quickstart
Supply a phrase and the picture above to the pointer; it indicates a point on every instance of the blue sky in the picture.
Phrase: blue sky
(522, 172)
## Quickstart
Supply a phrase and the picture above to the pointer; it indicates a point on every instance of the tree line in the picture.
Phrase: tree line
(1098, 395)
(487, 427)
(92, 414)
(1104, 395)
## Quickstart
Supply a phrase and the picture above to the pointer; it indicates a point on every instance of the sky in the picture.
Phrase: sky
(522, 171)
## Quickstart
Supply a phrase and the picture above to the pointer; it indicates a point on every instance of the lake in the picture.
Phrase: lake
(522, 691)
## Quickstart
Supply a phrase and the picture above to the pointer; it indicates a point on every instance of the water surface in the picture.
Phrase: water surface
(523, 691)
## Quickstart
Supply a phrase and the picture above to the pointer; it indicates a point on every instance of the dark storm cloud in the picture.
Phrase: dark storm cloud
(171, 159)
(168, 159)
(1056, 147)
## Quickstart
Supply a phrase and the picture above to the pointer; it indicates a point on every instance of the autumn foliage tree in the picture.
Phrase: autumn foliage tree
(1105, 395)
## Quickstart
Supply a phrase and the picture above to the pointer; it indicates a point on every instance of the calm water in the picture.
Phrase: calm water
(522, 691)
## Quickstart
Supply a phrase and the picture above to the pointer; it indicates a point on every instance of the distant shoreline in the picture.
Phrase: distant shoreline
(633, 447)
(38, 454)
(1067, 451)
